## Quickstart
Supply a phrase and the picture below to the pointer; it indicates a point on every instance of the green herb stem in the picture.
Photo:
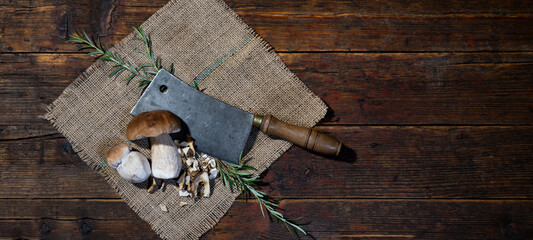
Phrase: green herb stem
(105, 55)
(144, 72)
(155, 62)
(236, 176)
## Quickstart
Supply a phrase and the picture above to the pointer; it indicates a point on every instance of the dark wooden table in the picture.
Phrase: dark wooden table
(435, 96)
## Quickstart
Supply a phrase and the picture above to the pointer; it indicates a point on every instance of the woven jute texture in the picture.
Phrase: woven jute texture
(209, 43)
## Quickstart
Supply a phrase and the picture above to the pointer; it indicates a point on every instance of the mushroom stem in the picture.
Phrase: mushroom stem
(162, 185)
(152, 187)
(165, 162)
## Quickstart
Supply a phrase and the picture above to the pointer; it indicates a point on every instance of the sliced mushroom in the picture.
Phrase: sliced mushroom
(189, 162)
(188, 152)
(213, 173)
(157, 125)
(190, 144)
(153, 186)
(204, 179)
(212, 163)
(194, 166)
(163, 207)
(132, 166)
(200, 168)
(184, 193)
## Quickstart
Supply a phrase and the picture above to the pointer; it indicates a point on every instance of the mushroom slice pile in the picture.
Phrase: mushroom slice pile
(131, 165)
(200, 169)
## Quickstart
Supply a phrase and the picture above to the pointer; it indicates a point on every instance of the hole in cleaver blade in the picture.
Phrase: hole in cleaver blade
(219, 129)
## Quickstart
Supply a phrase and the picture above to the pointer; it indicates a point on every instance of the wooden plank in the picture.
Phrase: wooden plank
(76, 229)
(393, 33)
(441, 89)
(412, 162)
(415, 88)
(47, 168)
(377, 7)
(398, 219)
(30, 82)
(45, 28)
(328, 218)
(325, 7)
(392, 162)
(360, 88)
(65, 209)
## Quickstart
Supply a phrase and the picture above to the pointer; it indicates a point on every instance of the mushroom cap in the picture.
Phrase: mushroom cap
(116, 154)
(153, 124)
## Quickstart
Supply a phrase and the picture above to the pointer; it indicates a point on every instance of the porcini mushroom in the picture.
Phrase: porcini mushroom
(132, 166)
(157, 125)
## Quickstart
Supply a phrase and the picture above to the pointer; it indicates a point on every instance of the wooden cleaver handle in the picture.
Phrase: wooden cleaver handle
(304, 137)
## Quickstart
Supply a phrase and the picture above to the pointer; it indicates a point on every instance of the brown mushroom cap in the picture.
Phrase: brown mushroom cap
(115, 154)
(153, 124)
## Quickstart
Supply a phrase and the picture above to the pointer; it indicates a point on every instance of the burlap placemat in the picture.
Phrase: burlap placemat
(208, 42)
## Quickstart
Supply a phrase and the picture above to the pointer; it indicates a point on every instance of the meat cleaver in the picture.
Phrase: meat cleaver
(220, 129)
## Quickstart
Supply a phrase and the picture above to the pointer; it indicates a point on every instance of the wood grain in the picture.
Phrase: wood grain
(359, 88)
(415, 88)
(357, 218)
(324, 7)
(435, 97)
(412, 162)
(65, 209)
(76, 229)
(49, 168)
(392, 219)
(391, 162)
(29, 83)
(45, 27)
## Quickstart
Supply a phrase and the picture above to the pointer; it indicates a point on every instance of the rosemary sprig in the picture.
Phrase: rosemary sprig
(236, 176)
(105, 55)
(155, 62)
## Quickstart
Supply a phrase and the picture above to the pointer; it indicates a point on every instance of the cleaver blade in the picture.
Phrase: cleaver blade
(219, 129)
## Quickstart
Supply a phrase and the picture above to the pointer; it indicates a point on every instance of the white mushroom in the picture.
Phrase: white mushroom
(213, 173)
(188, 183)
(212, 163)
(163, 208)
(188, 152)
(189, 162)
(184, 193)
(157, 125)
(195, 165)
(132, 166)
(190, 144)
(204, 179)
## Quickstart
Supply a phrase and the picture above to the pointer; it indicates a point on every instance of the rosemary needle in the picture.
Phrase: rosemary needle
(144, 72)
